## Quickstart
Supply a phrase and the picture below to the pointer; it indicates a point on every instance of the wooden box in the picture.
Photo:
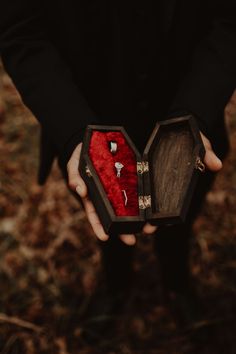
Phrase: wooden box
(156, 187)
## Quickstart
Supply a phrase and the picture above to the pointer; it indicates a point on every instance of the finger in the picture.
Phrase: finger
(128, 239)
(94, 220)
(75, 181)
(81, 188)
(212, 162)
(149, 229)
(205, 141)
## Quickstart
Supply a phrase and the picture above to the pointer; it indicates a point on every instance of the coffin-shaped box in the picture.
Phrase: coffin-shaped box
(128, 189)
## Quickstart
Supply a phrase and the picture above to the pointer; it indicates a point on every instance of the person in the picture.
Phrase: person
(126, 63)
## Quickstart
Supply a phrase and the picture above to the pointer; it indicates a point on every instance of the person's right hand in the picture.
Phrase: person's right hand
(76, 183)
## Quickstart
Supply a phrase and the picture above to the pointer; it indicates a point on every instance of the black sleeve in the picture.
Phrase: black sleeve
(40, 75)
(212, 78)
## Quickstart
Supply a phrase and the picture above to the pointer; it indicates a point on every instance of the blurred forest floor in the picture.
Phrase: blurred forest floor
(50, 262)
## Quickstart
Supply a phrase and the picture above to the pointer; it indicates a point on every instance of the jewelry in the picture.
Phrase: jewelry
(118, 166)
(125, 195)
(113, 147)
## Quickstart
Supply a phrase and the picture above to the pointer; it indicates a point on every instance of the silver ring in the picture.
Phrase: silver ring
(113, 147)
(118, 166)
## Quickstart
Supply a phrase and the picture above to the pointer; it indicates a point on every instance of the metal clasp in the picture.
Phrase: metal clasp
(142, 167)
(144, 202)
(199, 165)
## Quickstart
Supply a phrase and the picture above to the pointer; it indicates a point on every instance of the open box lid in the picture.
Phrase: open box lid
(173, 158)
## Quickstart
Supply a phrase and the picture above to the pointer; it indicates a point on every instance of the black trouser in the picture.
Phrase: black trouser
(171, 246)
(171, 243)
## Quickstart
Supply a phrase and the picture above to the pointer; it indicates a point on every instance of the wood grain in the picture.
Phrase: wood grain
(171, 164)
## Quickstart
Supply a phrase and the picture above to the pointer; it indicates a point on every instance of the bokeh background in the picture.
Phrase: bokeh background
(50, 262)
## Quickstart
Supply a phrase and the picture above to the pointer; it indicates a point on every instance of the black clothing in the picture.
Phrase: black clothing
(129, 63)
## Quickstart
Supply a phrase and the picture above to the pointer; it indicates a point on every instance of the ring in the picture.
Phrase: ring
(118, 166)
(113, 147)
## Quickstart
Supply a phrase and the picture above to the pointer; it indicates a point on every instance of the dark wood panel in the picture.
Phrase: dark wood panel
(171, 165)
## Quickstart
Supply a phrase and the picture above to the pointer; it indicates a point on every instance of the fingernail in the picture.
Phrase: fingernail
(78, 189)
(103, 237)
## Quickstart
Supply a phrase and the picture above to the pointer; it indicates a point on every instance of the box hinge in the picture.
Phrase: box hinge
(142, 166)
(145, 201)
(199, 165)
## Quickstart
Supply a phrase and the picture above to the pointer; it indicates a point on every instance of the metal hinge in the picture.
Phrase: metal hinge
(199, 165)
(142, 166)
(145, 201)
(88, 172)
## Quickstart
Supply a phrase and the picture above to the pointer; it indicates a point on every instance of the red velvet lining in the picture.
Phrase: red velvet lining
(104, 163)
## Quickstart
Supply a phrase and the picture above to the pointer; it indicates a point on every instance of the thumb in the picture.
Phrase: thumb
(75, 181)
(212, 162)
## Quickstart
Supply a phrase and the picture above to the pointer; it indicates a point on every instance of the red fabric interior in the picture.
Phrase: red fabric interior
(104, 163)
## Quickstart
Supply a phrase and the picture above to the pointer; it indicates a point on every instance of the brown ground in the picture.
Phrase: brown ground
(50, 262)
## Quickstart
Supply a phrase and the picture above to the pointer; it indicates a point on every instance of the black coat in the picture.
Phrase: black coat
(128, 63)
